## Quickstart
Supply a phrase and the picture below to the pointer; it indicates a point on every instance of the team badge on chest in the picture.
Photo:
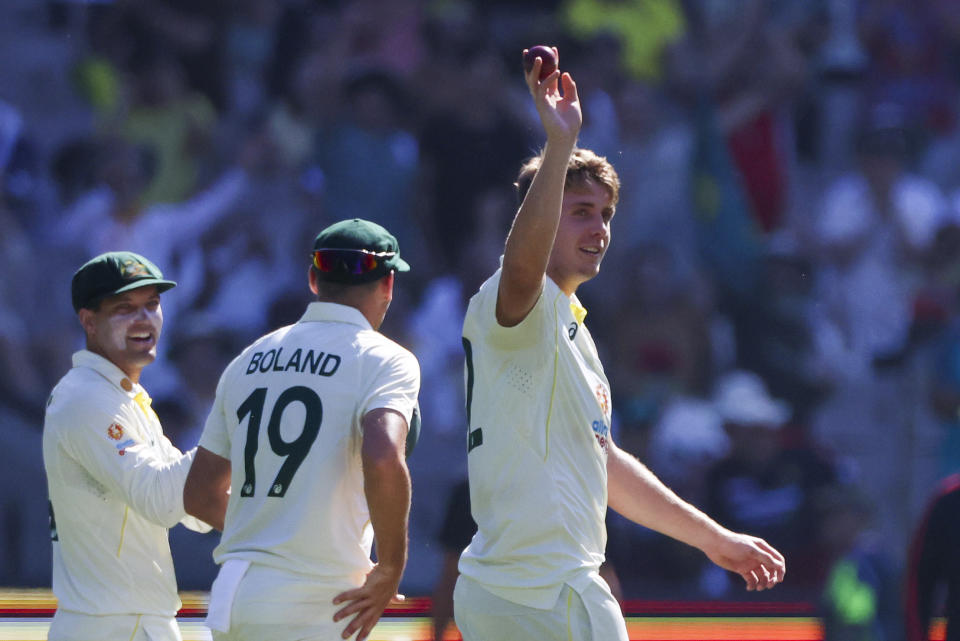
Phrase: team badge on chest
(115, 431)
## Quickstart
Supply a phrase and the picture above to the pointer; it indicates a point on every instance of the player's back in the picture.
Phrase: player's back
(290, 407)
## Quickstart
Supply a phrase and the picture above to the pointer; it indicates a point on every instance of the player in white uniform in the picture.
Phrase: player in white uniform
(543, 466)
(308, 431)
(115, 481)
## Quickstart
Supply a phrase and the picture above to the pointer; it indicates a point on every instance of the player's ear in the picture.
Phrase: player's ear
(85, 317)
(312, 277)
(387, 284)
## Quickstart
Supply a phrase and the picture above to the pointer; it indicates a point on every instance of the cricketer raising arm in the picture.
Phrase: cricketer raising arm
(543, 466)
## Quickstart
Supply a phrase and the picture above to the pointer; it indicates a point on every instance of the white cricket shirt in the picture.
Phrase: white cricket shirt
(288, 415)
(116, 486)
(538, 406)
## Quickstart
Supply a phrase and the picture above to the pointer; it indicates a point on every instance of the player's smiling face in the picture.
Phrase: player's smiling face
(125, 329)
(583, 235)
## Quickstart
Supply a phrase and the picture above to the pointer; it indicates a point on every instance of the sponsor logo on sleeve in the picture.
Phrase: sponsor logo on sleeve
(123, 445)
(115, 431)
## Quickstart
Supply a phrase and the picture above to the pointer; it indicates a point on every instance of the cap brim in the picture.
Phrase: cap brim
(162, 285)
(400, 265)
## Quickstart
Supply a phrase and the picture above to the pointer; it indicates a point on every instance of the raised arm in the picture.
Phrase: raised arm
(636, 493)
(535, 225)
(386, 483)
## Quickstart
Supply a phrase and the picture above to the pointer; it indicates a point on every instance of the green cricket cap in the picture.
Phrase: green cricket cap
(356, 235)
(114, 273)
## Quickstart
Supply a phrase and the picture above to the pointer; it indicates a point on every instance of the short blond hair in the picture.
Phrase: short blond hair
(584, 167)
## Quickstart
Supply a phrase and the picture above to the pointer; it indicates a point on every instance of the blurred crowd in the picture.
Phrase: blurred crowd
(778, 309)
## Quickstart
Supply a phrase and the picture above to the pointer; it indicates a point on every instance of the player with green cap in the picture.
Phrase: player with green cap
(309, 430)
(115, 481)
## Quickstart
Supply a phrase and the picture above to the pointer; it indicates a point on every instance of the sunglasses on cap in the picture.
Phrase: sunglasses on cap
(350, 261)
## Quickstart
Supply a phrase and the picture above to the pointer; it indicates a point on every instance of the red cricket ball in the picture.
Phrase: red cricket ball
(546, 55)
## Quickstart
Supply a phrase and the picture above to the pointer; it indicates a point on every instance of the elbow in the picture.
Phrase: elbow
(385, 463)
(386, 469)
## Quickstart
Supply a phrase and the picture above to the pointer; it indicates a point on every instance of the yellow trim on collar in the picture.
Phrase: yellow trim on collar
(579, 311)
(144, 401)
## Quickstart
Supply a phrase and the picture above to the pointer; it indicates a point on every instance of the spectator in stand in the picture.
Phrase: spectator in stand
(860, 598)
(22, 383)
(663, 336)
(935, 331)
(872, 233)
(110, 215)
(172, 123)
(644, 29)
(934, 568)
(747, 63)
(654, 149)
(762, 485)
(908, 46)
(485, 135)
(370, 137)
(874, 225)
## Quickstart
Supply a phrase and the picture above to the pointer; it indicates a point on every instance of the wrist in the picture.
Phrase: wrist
(391, 568)
(713, 537)
(562, 140)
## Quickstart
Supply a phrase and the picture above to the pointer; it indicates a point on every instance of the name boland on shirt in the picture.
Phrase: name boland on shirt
(539, 417)
(288, 414)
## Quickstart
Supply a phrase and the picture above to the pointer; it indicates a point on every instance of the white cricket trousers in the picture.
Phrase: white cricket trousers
(265, 604)
(593, 615)
(76, 626)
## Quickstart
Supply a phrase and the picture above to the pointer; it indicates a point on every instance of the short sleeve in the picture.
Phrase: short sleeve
(481, 325)
(395, 382)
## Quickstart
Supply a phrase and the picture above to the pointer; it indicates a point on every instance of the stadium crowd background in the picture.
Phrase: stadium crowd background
(790, 208)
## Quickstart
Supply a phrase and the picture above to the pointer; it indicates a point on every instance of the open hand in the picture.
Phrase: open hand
(760, 565)
(368, 601)
(559, 110)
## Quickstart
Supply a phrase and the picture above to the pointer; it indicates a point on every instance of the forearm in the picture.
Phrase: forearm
(387, 487)
(206, 507)
(534, 229)
(636, 493)
(531, 237)
(205, 493)
(443, 593)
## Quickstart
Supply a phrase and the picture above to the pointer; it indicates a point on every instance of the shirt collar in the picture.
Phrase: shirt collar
(106, 369)
(579, 311)
(335, 312)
